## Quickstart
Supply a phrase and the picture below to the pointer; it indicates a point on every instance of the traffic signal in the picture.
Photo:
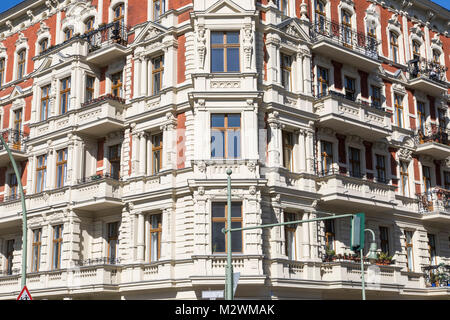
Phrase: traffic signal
(357, 231)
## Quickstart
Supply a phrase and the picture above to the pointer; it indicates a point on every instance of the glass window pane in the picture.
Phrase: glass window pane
(218, 210)
(233, 37)
(234, 143)
(218, 237)
(218, 120)
(236, 209)
(217, 144)
(216, 37)
(217, 61)
(154, 247)
(234, 120)
(236, 237)
(233, 59)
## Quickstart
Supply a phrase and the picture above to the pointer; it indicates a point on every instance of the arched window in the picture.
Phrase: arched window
(416, 50)
(21, 64)
(68, 33)
(119, 13)
(394, 46)
(43, 45)
(436, 56)
(89, 24)
(347, 27)
(320, 15)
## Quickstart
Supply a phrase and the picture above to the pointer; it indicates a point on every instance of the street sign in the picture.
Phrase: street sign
(212, 294)
(357, 231)
(236, 276)
(24, 294)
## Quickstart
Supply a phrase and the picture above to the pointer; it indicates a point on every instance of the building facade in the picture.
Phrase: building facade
(124, 115)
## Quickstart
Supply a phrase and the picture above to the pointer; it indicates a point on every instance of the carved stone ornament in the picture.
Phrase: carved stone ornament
(252, 190)
(201, 165)
(447, 162)
(436, 40)
(201, 191)
(405, 154)
(21, 39)
(394, 20)
(201, 46)
(251, 165)
(415, 29)
(248, 46)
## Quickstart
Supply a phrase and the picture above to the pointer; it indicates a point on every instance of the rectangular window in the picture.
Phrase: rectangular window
(219, 221)
(2, 71)
(290, 244)
(17, 129)
(114, 161)
(61, 168)
(327, 157)
(57, 244)
(283, 6)
(404, 178)
(330, 235)
(394, 47)
(442, 120)
(116, 84)
(45, 102)
(288, 147)
(36, 249)
(12, 181)
(157, 74)
(155, 237)
(426, 178)
(381, 168)
(350, 88)
(21, 64)
(9, 256)
(447, 180)
(158, 9)
(113, 242)
(421, 115)
(157, 144)
(225, 52)
(376, 96)
(384, 240)
(226, 136)
(65, 95)
(322, 82)
(41, 173)
(409, 250)
(432, 249)
(89, 88)
(286, 63)
(398, 110)
(355, 164)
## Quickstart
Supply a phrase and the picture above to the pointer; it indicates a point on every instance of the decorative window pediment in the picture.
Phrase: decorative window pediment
(291, 27)
(415, 30)
(21, 40)
(224, 7)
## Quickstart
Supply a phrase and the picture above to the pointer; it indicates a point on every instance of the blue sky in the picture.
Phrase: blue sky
(6, 4)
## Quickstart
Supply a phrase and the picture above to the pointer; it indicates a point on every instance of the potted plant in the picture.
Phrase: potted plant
(434, 279)
(330, 255)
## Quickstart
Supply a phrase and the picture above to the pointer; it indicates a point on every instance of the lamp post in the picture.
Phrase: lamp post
(229, 272)
(24, 212)
(372, 256)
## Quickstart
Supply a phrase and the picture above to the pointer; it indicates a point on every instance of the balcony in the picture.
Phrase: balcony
(352, 117)
(16, 143)
(437, 275)
(97, 192)
(435, 205)
(345, 45)
(107, 43)
(341, 189)
(433, 141)
(427, 76)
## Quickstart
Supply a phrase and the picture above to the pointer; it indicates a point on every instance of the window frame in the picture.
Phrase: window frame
(421, 116)
(354, 162)
(10, 256)
(224, 220)
(158, 231)
(160, 11)
(286, 71)
(225, 129)
(2, 70)
(117, 76)
(224, 46)
(330, 234)
(415, 49)
(21, 63)
(43, 45)
(42, 168)
(62, 163)
(326, 157)
(36, 246)
(349, 90)
(393, 40)
(384, 239)
(57, 245)
(381, 168)
(157, 149)
(376, 101)
(45, 101)
(112, 229)
(88, 28)
(64, 94)
(157, 71)
(290, 229)
(90, 90)
(398, 106)
(114, 158)
(404, 175)
(323, 82)
(121, 16)
(409, 267)
(426, 178)
(432, 249)
(288, 149)
(68, 33)
(13, 185)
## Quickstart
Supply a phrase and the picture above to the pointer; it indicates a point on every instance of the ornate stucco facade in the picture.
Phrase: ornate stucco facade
(116, 109)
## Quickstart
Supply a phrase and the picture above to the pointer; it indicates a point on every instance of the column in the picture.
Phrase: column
(301, 149)
(136, 77)
(73, 85)
(273, 65)
(170, 52)
(134, 154)
(300, 82)
(169, 134)
(166, 242)
(314, 252)
(142, 153)
(307, 73)
(273, 147)
(149, 156)
(78, 87)
(143, 76)
(309, 152)
(50, 169)
(140, 237)
(306, 250)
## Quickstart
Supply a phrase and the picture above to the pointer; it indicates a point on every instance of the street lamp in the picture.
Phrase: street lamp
(371, 256)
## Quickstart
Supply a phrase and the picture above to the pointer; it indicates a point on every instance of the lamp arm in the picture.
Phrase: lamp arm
(373, 234)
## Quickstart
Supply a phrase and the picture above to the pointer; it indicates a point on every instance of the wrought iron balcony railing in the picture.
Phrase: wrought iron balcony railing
(436, 199)
(323, 172)
(14, 138)
(350, 97)
(114, 32)
(96, 177)
(103, 98)
(344, 36)
(432, 133)
(426, 69)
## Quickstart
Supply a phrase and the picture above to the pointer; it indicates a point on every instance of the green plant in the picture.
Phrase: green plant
(329, 252)
(434, 278)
